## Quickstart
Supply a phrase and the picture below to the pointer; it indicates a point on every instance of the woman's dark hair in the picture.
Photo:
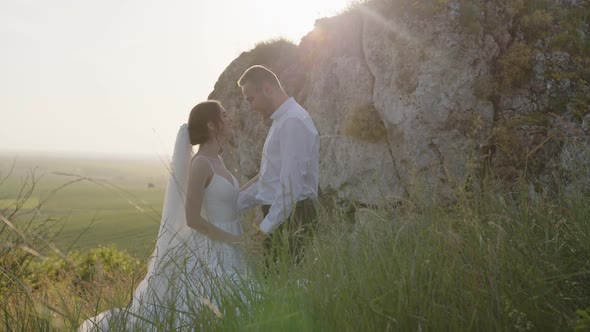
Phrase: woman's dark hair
(201, 115)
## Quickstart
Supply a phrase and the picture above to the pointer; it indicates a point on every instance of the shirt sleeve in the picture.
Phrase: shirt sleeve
(295, 142)
(247, 198)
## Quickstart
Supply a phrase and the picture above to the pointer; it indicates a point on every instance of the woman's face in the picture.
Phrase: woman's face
(226, 129)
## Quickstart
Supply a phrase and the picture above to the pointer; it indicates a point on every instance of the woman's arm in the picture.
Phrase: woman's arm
(253, 180)
(199, 177)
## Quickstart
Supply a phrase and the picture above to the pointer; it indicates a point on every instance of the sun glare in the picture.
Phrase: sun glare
(300, 16)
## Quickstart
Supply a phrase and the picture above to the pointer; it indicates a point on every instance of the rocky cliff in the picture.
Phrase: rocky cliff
(426, 99)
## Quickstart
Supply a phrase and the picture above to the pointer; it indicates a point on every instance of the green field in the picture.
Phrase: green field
(88, 201)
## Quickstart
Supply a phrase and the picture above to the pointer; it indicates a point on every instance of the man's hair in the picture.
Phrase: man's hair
(258, 74)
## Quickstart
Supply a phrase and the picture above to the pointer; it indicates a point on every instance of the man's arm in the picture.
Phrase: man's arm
(295, 146)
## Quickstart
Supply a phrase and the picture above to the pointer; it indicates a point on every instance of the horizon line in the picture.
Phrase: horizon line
(82, 154)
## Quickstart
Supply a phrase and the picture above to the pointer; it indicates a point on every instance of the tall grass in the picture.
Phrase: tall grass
(491, 263)
(487, 265)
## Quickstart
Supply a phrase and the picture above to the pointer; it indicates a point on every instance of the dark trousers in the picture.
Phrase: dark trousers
(288, 240)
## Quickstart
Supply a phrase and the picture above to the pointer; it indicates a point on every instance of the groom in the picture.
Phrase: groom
(287, 183)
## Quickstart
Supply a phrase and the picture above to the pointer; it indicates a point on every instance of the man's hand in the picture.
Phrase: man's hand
(259, 236)
(255, 239)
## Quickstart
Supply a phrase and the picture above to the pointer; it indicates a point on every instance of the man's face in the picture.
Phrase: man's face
(257, 98)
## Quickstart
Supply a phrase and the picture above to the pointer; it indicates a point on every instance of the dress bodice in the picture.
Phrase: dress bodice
(220, 202)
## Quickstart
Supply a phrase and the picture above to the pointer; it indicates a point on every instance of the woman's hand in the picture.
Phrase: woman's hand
(238, 240)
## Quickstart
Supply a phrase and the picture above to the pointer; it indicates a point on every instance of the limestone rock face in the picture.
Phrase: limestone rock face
(433, 89)
(423, 90)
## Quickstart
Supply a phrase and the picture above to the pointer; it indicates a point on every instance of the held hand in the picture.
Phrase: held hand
(254, 248)
(255, 241)
(238, 241)
(259, 236)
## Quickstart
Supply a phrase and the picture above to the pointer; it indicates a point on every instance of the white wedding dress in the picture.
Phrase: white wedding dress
(188, 271)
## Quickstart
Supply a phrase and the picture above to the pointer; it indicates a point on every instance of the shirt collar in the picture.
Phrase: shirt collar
(283, 108)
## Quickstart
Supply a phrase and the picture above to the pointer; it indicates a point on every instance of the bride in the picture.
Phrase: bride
(198, 254)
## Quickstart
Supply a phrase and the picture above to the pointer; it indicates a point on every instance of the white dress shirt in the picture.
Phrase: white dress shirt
(289, 170)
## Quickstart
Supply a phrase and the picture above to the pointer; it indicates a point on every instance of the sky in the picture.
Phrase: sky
(121, 76)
